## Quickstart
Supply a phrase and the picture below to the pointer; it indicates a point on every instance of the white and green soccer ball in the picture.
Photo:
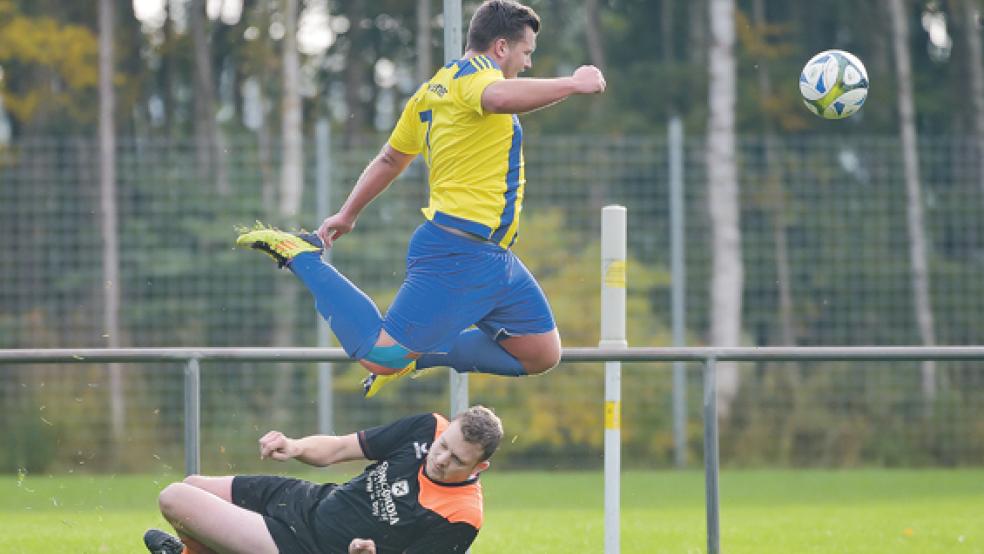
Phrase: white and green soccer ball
(834, 84)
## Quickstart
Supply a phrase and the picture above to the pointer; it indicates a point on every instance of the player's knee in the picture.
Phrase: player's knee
(542, 361)
(387, 359)
(194, 480)
(171, 499)
(376, 368)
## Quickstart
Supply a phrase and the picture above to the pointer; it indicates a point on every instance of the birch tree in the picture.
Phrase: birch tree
(918, 257)
(975, 69)
(722, 196)
(107, 208)
(291, 192)
(210, 145)
(425, 63)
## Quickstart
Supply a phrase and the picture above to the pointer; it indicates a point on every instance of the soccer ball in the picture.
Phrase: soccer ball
(834, 84)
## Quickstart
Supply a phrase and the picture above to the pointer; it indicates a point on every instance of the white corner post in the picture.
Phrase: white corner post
(613, 274)
(452, 51)
(192, 417)
(678, 270)
(711, 461)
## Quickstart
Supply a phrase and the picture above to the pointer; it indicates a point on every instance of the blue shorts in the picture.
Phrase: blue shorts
(454, 282)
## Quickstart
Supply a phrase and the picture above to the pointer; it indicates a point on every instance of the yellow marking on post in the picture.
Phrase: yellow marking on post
(615, 274)
(613, 414)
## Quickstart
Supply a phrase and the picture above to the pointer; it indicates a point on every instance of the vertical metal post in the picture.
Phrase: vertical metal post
(322, 130)
(192, 417)
(452, 51)
(711, 456)
(613, 274)
(678, 289)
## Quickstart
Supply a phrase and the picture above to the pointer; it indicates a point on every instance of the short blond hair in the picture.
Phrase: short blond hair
(480, 425)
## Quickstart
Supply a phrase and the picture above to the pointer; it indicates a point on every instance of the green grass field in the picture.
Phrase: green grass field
(782, 511)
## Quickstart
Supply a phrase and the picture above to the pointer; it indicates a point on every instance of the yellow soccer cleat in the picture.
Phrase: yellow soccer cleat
(372, 384)
(279, 245)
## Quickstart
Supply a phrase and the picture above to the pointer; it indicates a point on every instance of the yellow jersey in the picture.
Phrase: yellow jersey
(475, 158)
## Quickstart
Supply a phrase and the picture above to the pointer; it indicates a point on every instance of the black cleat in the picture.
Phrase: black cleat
(159, 542)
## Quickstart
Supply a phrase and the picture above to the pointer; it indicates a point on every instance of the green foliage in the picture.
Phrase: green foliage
(49, 66)
(31, 440)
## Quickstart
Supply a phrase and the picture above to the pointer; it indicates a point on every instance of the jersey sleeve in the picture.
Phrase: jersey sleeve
(444, 538)
(407, 135)
(470, 86)
(379, 442)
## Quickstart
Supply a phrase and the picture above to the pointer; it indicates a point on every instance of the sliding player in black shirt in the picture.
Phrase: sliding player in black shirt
(421, 495)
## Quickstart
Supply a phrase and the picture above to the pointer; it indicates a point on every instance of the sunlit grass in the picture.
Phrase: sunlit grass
(782, 511)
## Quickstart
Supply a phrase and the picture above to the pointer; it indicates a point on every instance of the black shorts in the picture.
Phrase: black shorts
(287, 506)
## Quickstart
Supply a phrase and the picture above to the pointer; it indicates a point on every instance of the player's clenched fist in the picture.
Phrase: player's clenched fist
(588, 80)
(278, 446)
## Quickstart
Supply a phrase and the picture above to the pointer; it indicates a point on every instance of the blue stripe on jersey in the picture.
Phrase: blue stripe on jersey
(466, 225)
(512, 182)
(490, 62)
(466, 69)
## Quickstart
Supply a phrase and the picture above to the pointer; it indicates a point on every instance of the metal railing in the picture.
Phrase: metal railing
(709, 356)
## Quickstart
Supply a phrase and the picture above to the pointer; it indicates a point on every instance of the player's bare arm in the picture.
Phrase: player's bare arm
(315, 450)
(378, 175)
(523, 95)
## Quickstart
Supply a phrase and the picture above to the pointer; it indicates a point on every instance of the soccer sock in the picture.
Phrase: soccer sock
(474, 351)
(352, 315)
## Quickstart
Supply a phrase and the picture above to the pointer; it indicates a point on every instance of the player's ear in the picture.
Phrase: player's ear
(482, 466)
(500, 47)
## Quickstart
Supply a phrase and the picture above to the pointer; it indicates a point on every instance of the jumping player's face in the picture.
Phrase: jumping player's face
(452, 459)
(517, 56)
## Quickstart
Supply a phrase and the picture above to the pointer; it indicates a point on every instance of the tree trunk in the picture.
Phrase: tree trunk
(910, 159)
(666, 30)
(975, 69)
(292, 163)
(355, 73)
(697, 40)
(210, 145)
(425, 63)
(107, 204)
(592, 28)
(777, 200)
(168, 76)
(291, 192)
(722, 173)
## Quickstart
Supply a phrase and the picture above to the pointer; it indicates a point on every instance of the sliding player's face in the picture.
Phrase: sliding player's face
(518, 55)
(452, 459)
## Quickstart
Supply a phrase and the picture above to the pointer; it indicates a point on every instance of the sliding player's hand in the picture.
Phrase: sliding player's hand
(278, 446)
(362, 546)
(334, 227)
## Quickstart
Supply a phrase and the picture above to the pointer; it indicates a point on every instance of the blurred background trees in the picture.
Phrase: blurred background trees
(211, 124)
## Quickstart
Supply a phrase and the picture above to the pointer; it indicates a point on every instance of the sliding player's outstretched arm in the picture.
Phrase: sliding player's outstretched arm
(315, 450)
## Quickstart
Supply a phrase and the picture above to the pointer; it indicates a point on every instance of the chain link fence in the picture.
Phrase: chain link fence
(823, 227)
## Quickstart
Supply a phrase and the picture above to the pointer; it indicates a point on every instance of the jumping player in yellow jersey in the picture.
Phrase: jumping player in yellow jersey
(460, 269)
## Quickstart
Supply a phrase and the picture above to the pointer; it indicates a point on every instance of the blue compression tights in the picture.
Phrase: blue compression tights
(352, 315)
(474, 351)
(356, 321)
